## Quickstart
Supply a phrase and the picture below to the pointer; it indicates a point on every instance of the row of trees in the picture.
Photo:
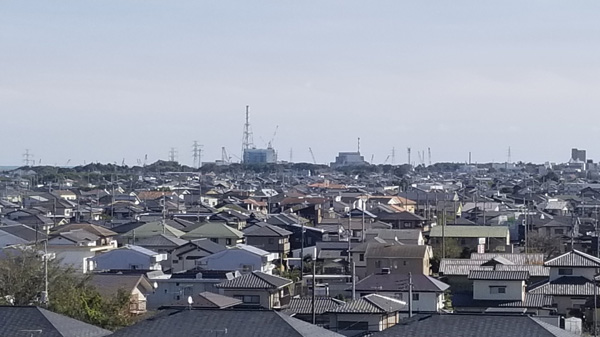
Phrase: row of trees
(22, 282)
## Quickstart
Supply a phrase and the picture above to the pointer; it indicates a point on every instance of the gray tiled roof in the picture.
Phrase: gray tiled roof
(465, 300)
(567, 285)
(533, 270)
(372, 303)
(487, 325)
(303, 305)
(470, 231)
(399, 282)
(236, 323)
(13, 320)
(516, 258)
(255, 280)
(574, 258)
(498, 275)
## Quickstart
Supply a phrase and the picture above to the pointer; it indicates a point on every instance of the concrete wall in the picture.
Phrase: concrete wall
(515, 290)
(398, 265)
(585, 272)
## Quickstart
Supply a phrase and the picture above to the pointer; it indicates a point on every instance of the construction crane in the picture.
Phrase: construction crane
(312, 155)
(270, 143)
(224, 157)
(386, 160)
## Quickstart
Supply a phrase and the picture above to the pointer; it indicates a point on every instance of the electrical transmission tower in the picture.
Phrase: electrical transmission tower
(28, 158)
(173, 155)
(197, 154)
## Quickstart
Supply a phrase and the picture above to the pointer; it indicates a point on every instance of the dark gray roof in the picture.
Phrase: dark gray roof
(240, 323)
(303, 305)
(13, 320)
(399, 282)
(567, 286)
(372, 303)
(255, 280)
(109, 284)
(267, 230)
(574, 258)
(161, 240)
(498, 275)
(474, 326)
(465, 300)
(24, 232)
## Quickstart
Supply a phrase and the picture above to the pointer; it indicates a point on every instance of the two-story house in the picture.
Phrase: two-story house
(243, 258)
(368, 314)
(492, 238)
(185, 257)
(258, 289)
(428, 294)
(128, 257)
(218, 232)
(571, 281)
(374, 256)
(502, 290)
(268, 237)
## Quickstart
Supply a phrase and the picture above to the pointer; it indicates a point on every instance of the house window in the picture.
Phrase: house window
(559, 231)
(407, 225)
(248, 299)
(214, 240)
(228, 242)
(415, 297)
(497, 290)
(361, 257)
(565, 271)
(378, 264)
(175, 261)
(271, 241)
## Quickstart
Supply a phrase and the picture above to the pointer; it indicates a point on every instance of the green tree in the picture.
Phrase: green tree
(70, 293)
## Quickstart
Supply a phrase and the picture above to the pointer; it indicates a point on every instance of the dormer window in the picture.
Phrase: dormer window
(565, 271)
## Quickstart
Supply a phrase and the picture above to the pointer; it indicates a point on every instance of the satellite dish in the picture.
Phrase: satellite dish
(190, 300)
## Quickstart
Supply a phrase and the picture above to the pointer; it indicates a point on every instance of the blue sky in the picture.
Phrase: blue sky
(107, 80)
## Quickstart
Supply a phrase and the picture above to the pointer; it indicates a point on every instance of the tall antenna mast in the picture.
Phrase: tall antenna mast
(247, 141)
(359, 145)
(408, 150)
(509, 159)
(428, 156)
(393, 156)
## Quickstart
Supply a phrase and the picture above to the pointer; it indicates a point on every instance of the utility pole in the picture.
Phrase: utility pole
(314, 287)
(410, 296)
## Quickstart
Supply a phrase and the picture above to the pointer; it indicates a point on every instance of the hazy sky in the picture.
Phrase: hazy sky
(107, 80)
